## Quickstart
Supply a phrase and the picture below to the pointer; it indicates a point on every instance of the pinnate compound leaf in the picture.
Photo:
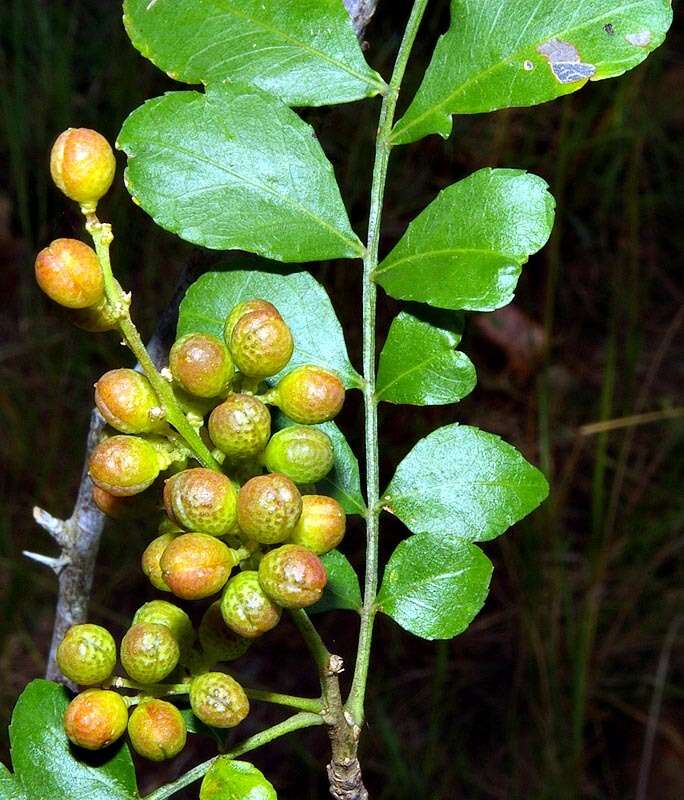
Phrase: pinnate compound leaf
(343, 481)
(302, 301)
(419, 365)
(47, 767)
(434, 586)
(460, 482)
(305, 53)
(235, 780)
(504, 53)
(466, 249)
(236, 169)
(342, 590)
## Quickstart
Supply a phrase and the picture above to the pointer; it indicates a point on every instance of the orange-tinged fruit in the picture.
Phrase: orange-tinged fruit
(261, 344)
(157, 730)
(321, 525)
(243, 308)
(303, 454)
(82, 165)
(202, 500)
(246, 608)
(95, 719)
(292, 576)
(218, 700)
(69, 272)
(268, 508)
(87, 654)
(201, 364)
(196, 565)
(127, 401)
(149, 652)
(310, 395)
(151, 559)
(124, 465)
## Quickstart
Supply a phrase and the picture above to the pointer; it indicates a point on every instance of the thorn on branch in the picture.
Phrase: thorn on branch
(55, 564)
(57, 528)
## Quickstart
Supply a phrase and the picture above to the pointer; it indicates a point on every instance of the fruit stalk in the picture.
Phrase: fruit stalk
(101, 234)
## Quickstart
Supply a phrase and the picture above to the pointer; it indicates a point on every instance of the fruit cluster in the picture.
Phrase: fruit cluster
(252, 529)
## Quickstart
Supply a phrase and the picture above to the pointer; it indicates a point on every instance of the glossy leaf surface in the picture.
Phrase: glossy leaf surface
(235, 780)
(434, 585)
(236, 169)
(419, 363)
(462, 482)
(303, 51)
(467, 248)
(343, 590)
(503, 53)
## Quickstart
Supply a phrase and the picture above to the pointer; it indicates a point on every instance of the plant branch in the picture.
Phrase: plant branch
(294, 723)
(355, 703)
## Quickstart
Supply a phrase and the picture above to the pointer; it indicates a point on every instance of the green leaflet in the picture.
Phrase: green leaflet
(236, 169)
(304, 52)
(343, 590)
(435, 586)
(419, 365)
(45, 768)
(503, 53)
(302, 301)
(235, 780)
(466, 249)
(462, 482)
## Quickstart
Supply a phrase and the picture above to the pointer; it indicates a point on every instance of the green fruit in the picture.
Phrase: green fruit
(124, 465)
(176, 620)
(240, 427)
(292, 576)
(246, 608)
(69, 272)
(202, 500)
(151, 559)
(82, 165)
(157, 730)
(149, 652)
(218, 641)
(310, 395)
(218, 700)
(201, 364)
(196, 565)
(261, 344)
(95, 719)
(322, 524)
(268, 508)
(245, 308)
(87, 654)
(127, 401)
(305, 455)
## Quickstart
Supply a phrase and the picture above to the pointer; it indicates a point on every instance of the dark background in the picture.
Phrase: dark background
(551, 691)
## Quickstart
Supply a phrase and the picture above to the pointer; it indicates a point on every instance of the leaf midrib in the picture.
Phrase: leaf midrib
(257, 185)
(434, 357)
(517, 54)
(443, 252)
(222, 11)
